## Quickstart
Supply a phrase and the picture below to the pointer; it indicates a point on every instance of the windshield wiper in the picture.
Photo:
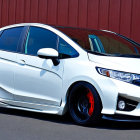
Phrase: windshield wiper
(126, 55)
(116, 55)
(97, 53)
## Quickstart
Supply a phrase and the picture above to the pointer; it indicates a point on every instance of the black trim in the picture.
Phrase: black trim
(113, 55)
(55, 60)
(130, 105)
(121, 118)
(97, 53)
(65, 56)
(136, 82)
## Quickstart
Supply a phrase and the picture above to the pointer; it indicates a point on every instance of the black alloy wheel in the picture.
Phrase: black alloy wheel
(84, 104)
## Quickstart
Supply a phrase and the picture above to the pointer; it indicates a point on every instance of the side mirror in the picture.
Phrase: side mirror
(49, 53)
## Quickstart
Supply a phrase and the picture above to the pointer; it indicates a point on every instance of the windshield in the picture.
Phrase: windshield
(103, 42)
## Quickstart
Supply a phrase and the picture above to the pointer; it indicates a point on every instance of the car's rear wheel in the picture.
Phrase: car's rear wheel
(84, 104)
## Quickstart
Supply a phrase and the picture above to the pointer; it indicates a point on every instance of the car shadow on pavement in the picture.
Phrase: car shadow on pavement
(66, 119)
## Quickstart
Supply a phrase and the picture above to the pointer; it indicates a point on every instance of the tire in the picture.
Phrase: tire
(84, 104)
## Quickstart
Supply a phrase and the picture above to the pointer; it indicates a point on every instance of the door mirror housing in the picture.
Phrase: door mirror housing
(49, 53)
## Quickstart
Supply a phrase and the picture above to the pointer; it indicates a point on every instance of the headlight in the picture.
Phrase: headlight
(123, 76)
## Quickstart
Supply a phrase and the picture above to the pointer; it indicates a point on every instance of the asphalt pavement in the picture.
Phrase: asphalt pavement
(22, 125)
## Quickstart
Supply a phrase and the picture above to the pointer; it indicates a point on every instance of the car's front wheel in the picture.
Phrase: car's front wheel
(84, 104)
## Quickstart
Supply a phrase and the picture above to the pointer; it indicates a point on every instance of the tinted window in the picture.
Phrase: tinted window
(9, 39)
(65, 50)
(0, 33)
(103, 42)
(39, 38)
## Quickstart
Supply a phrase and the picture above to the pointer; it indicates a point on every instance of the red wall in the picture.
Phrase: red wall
(121, 16)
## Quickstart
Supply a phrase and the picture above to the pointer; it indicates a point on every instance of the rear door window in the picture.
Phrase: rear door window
(9, 39)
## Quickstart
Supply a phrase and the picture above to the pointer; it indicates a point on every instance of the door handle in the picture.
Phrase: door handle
(22, 62)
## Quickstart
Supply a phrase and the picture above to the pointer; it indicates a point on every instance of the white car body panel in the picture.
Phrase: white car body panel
(35, 84)
(7, 68)
(131, 65)
(49, 51)
(43, 76)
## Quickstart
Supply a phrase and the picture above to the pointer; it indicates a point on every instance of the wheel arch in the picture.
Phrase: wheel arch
(75, 83)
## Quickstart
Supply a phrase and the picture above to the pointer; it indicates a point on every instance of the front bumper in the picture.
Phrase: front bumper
(112, 89)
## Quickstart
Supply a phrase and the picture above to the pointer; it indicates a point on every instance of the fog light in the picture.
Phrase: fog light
(124, 104)
(121, 105)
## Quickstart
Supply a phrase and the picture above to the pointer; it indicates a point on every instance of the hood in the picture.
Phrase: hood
(116, 63)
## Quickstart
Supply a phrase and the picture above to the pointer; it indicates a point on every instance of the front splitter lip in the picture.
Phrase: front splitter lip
(121, 118)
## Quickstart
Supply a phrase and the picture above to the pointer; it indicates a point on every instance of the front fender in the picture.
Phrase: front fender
(105, 87)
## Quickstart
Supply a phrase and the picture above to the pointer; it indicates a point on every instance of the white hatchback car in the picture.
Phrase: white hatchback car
(90, 73)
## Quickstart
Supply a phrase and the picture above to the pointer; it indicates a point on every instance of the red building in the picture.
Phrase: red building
(121, 16)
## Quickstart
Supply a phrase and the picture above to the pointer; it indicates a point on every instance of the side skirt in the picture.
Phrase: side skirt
(50, 109)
